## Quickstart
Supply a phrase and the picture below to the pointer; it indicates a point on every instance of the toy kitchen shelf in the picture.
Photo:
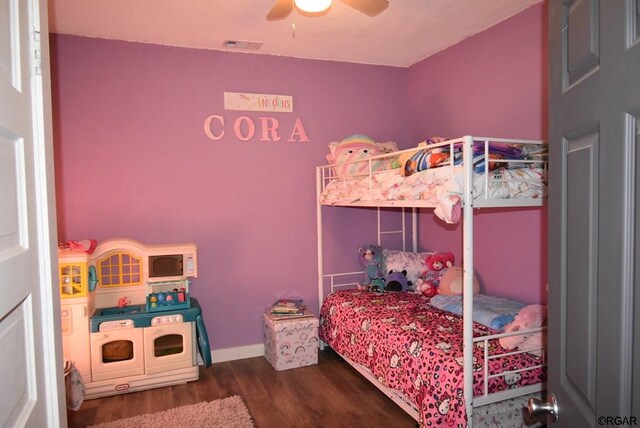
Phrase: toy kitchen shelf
(167, 295)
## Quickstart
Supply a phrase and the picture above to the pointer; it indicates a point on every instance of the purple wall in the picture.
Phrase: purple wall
(492, 84)
(132, 160)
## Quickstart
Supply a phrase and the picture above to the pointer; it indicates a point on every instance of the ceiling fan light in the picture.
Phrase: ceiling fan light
(313, 6)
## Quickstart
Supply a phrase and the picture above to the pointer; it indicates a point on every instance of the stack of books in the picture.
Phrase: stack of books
(289, 308)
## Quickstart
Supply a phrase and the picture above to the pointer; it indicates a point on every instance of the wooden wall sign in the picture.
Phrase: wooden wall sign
(258, 102)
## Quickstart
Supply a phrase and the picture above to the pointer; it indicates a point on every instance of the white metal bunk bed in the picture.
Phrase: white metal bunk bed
(325, 175)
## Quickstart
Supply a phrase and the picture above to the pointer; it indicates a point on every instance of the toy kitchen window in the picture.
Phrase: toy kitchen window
(119, 269)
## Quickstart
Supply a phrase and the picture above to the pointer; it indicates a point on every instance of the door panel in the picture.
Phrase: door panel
(594, 82)
(635, 20)
(19, 372)
(30, 364)
(12, 236)
(580, 284)
(582, 39)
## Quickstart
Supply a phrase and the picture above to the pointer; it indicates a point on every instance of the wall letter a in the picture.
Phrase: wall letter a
(298, 130)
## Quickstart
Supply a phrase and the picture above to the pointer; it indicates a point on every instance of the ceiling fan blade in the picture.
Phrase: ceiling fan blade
(280, 10)
(370, 7)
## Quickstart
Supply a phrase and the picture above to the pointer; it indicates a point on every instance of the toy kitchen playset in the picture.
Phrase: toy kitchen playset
(128, 322)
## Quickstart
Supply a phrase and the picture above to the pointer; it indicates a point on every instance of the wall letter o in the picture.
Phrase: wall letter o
(251, 128)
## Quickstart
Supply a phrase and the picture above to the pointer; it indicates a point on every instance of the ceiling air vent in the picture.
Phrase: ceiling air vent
(242, 44)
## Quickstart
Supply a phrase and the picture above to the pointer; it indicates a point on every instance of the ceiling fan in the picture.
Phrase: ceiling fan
(282, 8)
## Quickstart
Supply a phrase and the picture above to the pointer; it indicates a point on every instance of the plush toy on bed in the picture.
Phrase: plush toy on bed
(529, 317)
(347, 153)
(370, 257)
(425, 287)
(437, 264)
(429, 280)
(452, 281)
(377, 285)
(397, 281)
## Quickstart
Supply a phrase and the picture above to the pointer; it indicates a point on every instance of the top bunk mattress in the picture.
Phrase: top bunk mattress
(433, 175)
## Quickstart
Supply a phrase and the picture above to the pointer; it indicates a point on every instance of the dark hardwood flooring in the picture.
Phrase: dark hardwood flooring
(330, 394)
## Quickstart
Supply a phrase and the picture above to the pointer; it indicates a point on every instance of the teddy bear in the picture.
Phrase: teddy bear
(531, 316)
(437, 265)
(370, 257)
(397, 281)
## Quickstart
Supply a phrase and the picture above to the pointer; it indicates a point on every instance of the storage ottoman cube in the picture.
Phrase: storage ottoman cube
(290, 343)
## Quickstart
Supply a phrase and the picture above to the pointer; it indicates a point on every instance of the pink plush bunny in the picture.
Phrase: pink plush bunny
(529, 317)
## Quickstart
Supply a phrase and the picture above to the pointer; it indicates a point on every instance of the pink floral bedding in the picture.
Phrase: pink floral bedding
(439, 187)
(416, 349)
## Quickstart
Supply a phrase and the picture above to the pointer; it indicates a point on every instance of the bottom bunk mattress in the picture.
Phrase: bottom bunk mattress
(416, 349)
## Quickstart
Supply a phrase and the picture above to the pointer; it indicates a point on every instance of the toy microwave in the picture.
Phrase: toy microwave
(178, 263)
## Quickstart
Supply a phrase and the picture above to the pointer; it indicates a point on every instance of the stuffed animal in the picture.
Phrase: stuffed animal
(370, 257)
(397, 281)
(452, 280)
(437, 265)
(378, 285)
(529, 317)
(425, 287)
(348, 153)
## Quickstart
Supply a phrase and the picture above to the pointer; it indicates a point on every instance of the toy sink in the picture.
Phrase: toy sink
(127, 310)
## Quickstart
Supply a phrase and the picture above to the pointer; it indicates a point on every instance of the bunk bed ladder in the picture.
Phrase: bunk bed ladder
(403, 229)
(320, 178)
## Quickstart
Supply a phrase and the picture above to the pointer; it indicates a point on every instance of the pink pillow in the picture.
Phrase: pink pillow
(358, 148)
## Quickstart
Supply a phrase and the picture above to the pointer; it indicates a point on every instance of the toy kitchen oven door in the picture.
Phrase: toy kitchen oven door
(146, 330)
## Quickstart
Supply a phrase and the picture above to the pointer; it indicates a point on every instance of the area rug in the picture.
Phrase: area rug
(224, 413)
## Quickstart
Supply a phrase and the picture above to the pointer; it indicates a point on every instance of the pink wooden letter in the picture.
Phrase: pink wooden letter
(298, 130)
(269, 126)
(209, 131)
(251, 128)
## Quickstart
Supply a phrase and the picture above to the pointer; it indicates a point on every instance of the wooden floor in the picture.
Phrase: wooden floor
(330, 394)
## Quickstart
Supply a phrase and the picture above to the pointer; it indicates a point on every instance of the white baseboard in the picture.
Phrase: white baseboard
(238, 353)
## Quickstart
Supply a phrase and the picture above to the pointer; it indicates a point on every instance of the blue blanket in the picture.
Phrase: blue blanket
(491, 311)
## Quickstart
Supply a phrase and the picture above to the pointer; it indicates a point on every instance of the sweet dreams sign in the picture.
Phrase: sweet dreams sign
(264, 127)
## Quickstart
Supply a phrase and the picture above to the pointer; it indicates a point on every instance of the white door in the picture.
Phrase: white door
(594, 220)
(30, 354)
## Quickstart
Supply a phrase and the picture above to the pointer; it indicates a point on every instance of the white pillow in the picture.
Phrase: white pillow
(413, 263)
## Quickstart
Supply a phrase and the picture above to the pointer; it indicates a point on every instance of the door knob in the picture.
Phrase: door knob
(538, 408)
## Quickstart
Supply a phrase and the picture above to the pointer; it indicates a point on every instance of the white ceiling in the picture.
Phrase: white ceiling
(405, 33)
